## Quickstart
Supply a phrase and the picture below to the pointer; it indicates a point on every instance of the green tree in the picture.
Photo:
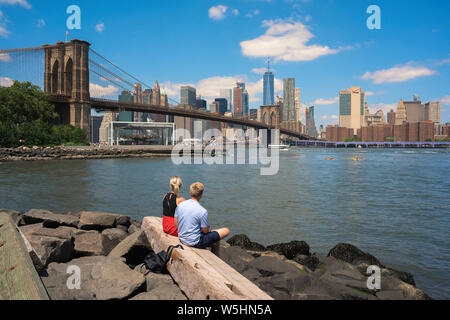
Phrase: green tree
(27, 117)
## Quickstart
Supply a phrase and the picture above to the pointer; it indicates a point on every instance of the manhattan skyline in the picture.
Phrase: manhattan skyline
(325, 45)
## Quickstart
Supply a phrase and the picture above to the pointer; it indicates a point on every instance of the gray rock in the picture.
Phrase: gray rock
(66, 233)
(50, 219)
(102, 278)
(269, 266)
(284, 286)
(96, 221)
(252, 274)
(351, 254)
(50, 249)
(155, 280)
(123, 228)
(236, 257)
(291, 250)
(244, 242)
(134, 249)
(15, 215)
(311, 262)
(403, 275)
(112, 237)
(122, 220)
(89, 243)
(167, 293)
(134, 227)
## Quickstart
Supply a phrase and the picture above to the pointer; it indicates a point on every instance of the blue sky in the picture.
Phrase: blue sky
(324, 44)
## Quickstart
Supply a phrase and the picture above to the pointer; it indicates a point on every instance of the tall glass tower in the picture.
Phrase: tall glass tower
(269, 89)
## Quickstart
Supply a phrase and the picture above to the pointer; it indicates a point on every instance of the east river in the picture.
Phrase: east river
(394, 204)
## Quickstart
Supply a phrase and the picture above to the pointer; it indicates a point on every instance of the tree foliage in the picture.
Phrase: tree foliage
(27, 118)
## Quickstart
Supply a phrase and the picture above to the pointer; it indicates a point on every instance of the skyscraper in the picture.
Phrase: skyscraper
(138, 98)
(312, 131)
(188, 96)
(352, 108)
(391, 117)
(245, 103)
(223, 105)
(298, 106)
(126, 116)
(227, 94)
(237, 100)
(269, 89)
(288, 109)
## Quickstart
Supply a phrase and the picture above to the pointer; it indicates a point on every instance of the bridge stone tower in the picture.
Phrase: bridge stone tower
(67, 74)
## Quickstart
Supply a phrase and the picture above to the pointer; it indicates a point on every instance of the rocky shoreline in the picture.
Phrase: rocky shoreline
(109, 250)
(79, 153)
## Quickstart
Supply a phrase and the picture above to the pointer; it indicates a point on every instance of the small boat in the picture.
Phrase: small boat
(331, 159)
(279, 146)
(357, 159)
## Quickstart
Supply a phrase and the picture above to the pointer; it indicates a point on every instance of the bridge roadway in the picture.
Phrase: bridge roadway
(179, 111)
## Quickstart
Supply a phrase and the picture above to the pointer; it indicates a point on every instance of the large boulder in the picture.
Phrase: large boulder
(96, 221)
(122, 220)
(160, 287)
(236, 257)
(284, 286)
(49, 219)
(66, 233)
(89, 243)
(269, 266)
(134, 249)
(351, 254)
(112, 237)
(134, 227)
(241, 240)
(311, 262)
(15, 215)
(102, 278)
(51, 249)
(291, 250)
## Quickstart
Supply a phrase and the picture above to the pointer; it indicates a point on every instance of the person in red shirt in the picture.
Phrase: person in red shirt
(170, 202)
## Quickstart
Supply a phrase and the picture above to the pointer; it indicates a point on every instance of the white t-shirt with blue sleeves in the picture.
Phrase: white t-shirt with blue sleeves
(191, 218)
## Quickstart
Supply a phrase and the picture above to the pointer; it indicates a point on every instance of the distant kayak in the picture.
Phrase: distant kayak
(330, 159)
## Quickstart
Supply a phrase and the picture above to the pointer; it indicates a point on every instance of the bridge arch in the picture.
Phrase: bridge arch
(55, 74)
(68, 77)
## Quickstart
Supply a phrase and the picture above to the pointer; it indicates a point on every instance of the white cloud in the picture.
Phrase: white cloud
(209, 88)
(3, 31)
(4, 57)
(398, 74)
(23, 3)
(285, 40)
(445, 100)
(325, 102)
(370, 93)
(252, 14)
(99, 91)
(333, 117)
(6, 82)
(100, 27)
(41, 23)
(261, 70)
(217, 12)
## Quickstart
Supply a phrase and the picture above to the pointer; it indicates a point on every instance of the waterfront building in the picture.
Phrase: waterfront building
(269, 88)
(288, 109)
(433, 112)
(188, 96)
(352, 108)
(96, 122)
(237, 100)
(338, 134)
(227, 94)
(406, 132)
(391, 117)
(126, 116)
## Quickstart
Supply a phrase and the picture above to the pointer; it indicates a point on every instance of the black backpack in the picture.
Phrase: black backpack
(156, 263)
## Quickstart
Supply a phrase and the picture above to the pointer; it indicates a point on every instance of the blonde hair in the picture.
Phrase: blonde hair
(175, 185)
(197, 189)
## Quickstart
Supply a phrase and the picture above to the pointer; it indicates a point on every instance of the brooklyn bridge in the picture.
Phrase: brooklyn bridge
(79, 79)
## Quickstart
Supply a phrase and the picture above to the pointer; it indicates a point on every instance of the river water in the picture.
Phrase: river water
(394, 204)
